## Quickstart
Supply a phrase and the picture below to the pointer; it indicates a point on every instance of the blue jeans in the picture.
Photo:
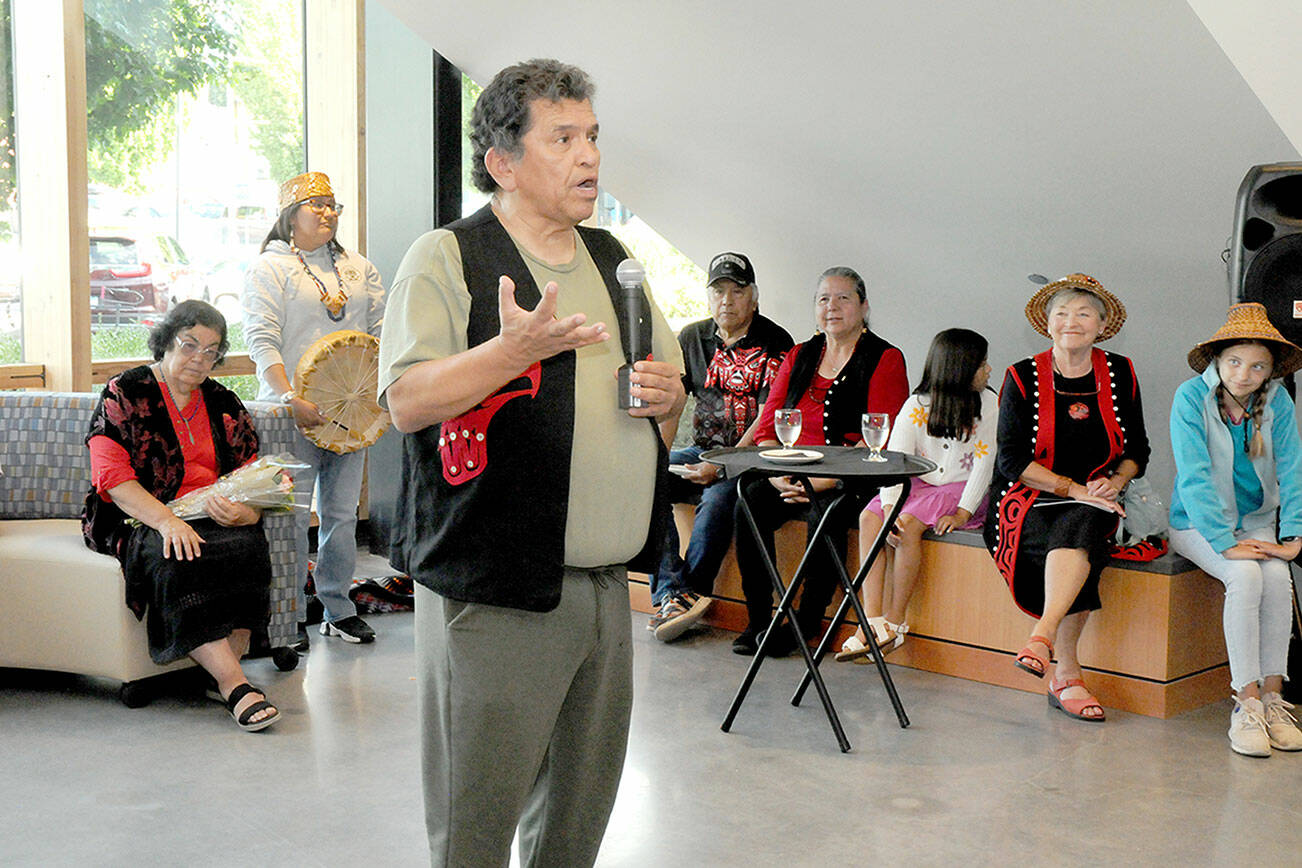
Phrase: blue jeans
(711, 534)
(338, 480)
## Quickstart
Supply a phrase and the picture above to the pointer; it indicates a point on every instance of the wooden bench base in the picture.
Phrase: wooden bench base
(1155, 648)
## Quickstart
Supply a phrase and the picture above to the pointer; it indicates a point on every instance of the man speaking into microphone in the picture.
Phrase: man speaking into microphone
(528, 490)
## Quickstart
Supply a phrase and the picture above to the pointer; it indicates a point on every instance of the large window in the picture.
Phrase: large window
(194, 116)
(677, 283)
(11, 290)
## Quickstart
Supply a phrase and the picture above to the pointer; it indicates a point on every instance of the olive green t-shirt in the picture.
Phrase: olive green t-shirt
(613, 458)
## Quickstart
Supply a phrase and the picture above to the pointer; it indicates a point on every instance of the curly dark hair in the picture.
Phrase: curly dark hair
(502, 117)
(186, 315)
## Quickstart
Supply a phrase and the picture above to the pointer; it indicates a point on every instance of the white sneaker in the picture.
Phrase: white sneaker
(1280, 725)
(1248, 734)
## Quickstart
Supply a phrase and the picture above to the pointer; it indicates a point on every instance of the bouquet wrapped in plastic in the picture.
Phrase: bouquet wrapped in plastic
(266, 482)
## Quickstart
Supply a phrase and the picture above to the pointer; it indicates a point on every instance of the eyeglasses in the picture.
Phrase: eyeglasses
(190, 348)
(321, 206)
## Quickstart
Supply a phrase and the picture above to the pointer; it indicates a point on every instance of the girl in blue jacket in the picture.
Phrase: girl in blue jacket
(1239, 459)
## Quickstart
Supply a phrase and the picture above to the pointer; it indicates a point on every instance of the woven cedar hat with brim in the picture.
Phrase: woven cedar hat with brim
(302, 187)
(1248, 322)
(1115, 311)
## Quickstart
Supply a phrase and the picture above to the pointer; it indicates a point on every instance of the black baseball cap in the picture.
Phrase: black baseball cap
(731, 266)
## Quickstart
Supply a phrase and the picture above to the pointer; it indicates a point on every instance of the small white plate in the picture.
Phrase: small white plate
(791, 456)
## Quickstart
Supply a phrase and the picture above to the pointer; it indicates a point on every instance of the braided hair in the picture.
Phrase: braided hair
(1256, 445)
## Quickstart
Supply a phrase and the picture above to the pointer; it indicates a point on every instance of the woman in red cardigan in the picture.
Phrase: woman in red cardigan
(835, 377)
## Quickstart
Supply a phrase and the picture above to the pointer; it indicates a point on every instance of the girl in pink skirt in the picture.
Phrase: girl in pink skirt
(951, 418)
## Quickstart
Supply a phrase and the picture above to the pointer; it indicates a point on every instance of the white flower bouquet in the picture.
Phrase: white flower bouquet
(266, 483)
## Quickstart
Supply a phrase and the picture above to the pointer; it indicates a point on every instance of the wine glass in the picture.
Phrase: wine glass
(876, 428)
(786, 423)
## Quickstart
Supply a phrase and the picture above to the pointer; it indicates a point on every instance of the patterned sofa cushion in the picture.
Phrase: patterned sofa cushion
(46, 464)
(44, 456)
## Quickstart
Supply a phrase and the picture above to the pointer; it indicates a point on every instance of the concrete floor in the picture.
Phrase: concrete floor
(983, 776)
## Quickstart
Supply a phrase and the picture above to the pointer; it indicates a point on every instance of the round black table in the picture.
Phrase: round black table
(848, 466)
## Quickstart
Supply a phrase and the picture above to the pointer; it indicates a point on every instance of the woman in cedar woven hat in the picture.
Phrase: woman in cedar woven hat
(303, 286)
(1071, 436)
(1238, 462)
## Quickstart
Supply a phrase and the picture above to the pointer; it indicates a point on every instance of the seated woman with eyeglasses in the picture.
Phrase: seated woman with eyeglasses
(159, 432)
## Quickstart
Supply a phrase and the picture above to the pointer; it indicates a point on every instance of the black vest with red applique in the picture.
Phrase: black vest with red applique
(843, 412)
(1010, 499)
(485, 495)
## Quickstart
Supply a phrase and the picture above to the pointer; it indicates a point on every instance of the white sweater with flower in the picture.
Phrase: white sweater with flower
(972, 460)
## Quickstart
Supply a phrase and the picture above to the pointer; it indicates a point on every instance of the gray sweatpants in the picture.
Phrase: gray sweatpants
(524, 720)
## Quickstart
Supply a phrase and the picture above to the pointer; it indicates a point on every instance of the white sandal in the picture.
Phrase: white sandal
(853, 650)
(889, 638)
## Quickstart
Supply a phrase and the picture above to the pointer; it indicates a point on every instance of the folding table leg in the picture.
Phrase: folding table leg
(851, 590)
(784, 610)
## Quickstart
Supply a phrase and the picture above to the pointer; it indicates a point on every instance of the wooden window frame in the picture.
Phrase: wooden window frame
(50, 108)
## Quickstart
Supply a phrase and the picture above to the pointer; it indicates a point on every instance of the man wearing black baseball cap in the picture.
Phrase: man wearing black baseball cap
(730, 358)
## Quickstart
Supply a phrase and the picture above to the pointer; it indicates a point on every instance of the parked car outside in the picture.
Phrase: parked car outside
(124, 287)
(137, 275)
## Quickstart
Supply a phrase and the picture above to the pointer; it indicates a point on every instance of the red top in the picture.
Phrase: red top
(110, 466)
(887, 390)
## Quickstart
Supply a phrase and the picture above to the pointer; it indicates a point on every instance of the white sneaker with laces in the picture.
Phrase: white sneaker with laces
(1248, 735)
(1281, 726)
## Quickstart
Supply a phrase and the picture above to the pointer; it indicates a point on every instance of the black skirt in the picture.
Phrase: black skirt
(1061, 525)
(194, 602)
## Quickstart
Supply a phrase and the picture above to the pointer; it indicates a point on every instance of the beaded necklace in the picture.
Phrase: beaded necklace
(836, 369)
(171, 399)
(1246, 418)
(334, 306)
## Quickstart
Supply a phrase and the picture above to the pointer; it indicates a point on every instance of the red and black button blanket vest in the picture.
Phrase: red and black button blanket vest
(1018, 498)
(484, 496)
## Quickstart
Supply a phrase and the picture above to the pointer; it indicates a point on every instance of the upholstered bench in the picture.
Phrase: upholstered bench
(64, 605)
(1155, 648)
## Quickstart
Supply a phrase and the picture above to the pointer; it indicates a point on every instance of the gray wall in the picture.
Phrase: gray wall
(945, 149)
(399, 192)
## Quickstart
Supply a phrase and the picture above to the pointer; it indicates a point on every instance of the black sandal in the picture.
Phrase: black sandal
(211, 691)
(243, 720)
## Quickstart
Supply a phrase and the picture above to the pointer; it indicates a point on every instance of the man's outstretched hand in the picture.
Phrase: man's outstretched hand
(531, 336)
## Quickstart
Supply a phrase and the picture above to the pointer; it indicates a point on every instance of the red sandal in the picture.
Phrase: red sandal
(1028, 661)
(1074, 707)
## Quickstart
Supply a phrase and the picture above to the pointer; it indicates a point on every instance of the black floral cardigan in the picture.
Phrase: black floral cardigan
(131, 412)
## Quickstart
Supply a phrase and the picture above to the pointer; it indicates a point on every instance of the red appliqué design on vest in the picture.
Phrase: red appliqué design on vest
(1012, 508)
(463, 441)
(739, 374)
(1078, 411)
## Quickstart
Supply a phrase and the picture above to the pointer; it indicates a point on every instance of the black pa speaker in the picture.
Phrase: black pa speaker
(1265, 262)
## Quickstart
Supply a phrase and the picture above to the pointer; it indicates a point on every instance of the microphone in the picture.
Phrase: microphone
(630, 274)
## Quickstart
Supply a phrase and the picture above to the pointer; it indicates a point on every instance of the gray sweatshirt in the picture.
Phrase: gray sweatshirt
(283, 311)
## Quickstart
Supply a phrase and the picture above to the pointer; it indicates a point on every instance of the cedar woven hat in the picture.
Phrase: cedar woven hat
(1113, 319)
(303, 187)
(1248, 322)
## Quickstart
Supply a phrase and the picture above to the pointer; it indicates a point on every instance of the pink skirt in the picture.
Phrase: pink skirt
(930, 503)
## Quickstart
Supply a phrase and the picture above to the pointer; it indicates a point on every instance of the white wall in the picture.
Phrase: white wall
(945, 149)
